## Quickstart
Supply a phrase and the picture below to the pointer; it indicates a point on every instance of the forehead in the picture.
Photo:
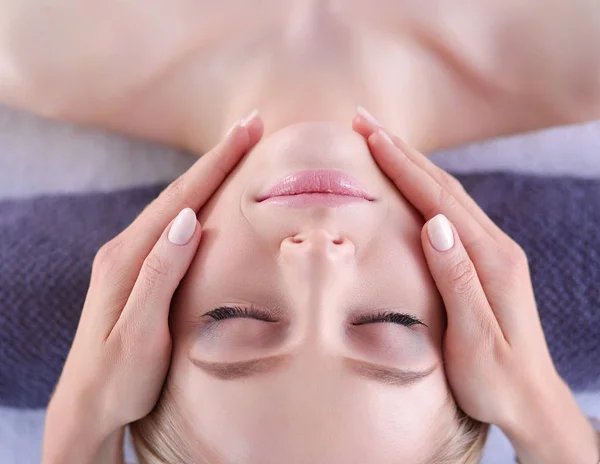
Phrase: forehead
(315, 419)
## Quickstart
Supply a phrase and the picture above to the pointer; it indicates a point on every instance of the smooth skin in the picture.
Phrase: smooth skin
(491, 312)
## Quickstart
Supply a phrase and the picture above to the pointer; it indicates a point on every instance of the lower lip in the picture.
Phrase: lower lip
(311, 199)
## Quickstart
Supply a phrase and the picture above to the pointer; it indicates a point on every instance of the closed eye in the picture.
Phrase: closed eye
(230, 312)
(390, 316)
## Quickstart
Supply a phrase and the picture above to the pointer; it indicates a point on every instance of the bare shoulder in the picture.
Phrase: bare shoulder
(79, 60)
(549, 55)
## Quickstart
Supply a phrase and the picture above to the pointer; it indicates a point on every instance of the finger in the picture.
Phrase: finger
(468, 310)
(147, 308)
(365, 125)
(192, 189)
(424, 193)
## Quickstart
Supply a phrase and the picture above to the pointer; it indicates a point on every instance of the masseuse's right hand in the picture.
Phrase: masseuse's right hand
(120, 356)
(495, 353)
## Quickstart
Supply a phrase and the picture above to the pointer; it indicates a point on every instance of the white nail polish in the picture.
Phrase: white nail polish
(235, 124)
(249, 118)
(183, 227)
(385, 136)
(440, 233)
(368, 116)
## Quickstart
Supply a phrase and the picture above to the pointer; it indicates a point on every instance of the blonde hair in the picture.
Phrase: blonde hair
(159, 438)
(463, 445)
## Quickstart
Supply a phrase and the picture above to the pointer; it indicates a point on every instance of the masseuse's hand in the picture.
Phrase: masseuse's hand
(121, 352)
(495, 353)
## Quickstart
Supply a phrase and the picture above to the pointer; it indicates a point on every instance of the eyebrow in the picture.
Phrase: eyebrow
(241, 369)
(254, 367)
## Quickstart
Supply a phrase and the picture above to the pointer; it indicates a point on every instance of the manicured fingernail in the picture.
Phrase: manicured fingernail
(440, 233)
(385, 136)
(242, 122)
(368, 116)
(235, 124)
(183, 227)
(249, 118)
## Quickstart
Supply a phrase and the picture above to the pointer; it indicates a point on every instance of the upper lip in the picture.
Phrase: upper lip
(323, 181)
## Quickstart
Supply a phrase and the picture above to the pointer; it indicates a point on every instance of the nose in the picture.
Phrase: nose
(317, 267)
(317, 247)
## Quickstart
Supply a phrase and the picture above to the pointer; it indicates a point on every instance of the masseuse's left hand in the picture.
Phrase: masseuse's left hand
(117, 365)
(495, 354)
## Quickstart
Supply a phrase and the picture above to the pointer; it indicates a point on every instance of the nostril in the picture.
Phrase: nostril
(301, 238)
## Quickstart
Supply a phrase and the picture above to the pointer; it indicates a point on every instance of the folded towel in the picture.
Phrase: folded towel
(49, 242)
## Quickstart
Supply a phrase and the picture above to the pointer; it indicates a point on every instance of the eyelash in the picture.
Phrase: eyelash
(390, 316)
(230, 312)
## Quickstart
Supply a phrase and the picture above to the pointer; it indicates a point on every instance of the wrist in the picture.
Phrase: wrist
(553, 429)
(75, 430)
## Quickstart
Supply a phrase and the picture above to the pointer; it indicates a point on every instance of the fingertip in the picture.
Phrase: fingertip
(375, 146)
(425, 237)
(368, 117)
(245, 133)
(238, 137)
(196, 237)
(362, 126)
(255, 130)
(197, 231)
(373, 139)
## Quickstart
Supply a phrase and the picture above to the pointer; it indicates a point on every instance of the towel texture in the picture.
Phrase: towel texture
(49, 242)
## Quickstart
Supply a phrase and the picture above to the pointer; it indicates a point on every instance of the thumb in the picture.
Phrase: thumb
(161, 272)
(467, 307)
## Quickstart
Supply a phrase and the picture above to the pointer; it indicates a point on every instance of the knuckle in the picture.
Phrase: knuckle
(445, 198)
(142, 344)
(501, 353)
(444, 201)
(519, 254)
(514, 257)
(155, 269)
(108, 254)
(461, 276)
(175, 192)
(451, 182)
(488, 333)
(123, 342)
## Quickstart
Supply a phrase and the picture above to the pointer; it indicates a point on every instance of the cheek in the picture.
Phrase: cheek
(394, 273)
(400, 264)
(219, 264)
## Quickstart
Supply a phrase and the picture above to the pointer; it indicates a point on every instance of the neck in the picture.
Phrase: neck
(436, 100)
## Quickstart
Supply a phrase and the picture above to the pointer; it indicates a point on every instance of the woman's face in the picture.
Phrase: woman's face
(306, 375)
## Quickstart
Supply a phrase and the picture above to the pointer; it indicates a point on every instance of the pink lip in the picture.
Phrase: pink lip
(316, 187)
